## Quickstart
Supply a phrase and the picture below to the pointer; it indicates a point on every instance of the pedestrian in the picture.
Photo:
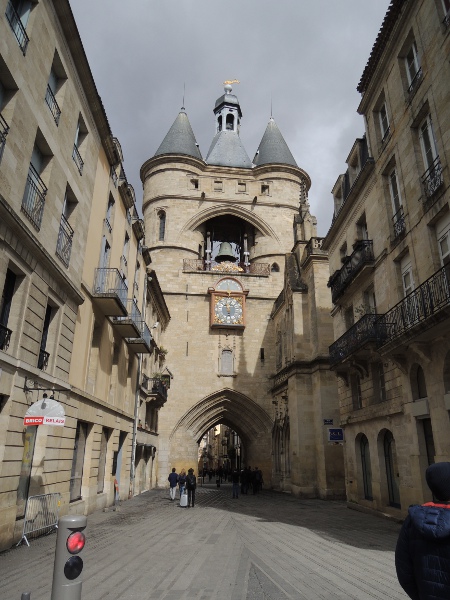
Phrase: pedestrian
(173, 480)
(422, 555)
(235, 482)
(191, 484)
(182, 481)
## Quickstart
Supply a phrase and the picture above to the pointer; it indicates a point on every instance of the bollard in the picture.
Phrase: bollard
(25, 596)
(68, 565)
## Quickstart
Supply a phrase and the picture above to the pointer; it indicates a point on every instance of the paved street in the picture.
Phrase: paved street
(266, 547)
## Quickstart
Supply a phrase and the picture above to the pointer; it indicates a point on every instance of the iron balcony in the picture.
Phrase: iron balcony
(129, 325)
(418, 311)
(5, 337)
(33, 200)
(362, 333)
(154, 387)
(52, 104)
(143, 343)
(361, 256)
(17, 27)
(110, 292)
(65, 239)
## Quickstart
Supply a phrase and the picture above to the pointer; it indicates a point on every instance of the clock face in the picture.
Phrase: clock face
(229, 285)
(228, 311)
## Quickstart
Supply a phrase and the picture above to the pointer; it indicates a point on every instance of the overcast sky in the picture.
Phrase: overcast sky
(306, 57)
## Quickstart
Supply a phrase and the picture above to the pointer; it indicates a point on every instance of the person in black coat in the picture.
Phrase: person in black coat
(191, 484)
(422, 555)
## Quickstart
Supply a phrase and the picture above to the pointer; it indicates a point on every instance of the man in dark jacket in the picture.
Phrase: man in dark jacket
(422, 555)
(191, 484)
(173, 480)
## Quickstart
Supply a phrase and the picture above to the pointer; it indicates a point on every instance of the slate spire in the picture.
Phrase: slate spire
(180, 138)
(273, 148)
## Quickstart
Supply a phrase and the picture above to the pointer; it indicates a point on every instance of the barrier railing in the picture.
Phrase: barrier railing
(41, 516)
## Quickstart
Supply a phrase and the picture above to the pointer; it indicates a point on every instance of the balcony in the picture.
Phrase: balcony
(34, 198)
(361, 258)
(114, 177)
(5, 337)
(127, 193)
(129, 326)
(154, 388)
(4, 128)
(77, 159)
(360, 335)
(399, 223)
(138, 228)
(261, 269)
(43, 360)
(143, 343)
(110, 292)
(52, 104)
(65, 239)
(17, 27)
(432, 178)
(418, 311)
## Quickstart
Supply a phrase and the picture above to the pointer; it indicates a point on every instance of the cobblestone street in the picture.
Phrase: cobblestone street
(265, 547)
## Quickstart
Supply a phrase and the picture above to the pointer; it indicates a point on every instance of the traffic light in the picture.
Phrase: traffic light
(69, 558)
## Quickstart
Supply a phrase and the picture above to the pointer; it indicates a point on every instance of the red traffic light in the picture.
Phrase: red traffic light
(75, 542)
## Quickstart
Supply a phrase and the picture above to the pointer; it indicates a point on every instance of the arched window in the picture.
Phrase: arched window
(366, 467)
(390, 459)
(162, 225)
(418, 383)
(275, 268)
(226, 362)
(230, 122)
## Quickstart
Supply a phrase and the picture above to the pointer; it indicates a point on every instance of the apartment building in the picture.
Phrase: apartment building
(77, 299)
(389, 249)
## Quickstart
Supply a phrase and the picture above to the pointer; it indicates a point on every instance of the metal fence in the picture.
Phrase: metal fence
(41, 516)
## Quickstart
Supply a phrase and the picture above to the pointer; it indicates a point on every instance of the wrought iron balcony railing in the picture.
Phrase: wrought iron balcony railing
(65, 239)
(154, 385)
(43, 360)
(386, 134)
(77, 159)
(362, 332)
(362, 255)
(133, 315)
(418, 306)
(52, 104)
(34, 197)
(114, 177)
(108, 282)
(432, 178)
(5, 337)
(262, 269)
(415, 83)
(4, 128)
(107, 224)
(399, 223)
(17, 27)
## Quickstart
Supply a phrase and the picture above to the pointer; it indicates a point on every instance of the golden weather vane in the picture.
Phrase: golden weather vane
(231, 81)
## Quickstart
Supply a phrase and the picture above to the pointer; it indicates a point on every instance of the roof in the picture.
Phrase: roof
(273, 148)
(227, 150)
(180, 139)
(383, 37)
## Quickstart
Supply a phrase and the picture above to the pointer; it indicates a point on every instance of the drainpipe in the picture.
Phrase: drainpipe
(136, 404)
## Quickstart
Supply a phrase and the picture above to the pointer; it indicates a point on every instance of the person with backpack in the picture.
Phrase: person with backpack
(422, 555)
(191, 484)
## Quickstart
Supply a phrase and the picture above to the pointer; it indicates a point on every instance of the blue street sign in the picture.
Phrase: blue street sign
(335, 434)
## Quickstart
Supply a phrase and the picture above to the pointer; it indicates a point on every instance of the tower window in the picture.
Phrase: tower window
(264, 189)
(162, 225)
(230, 122)
(218, 186)
(194, 184)
(242, 187)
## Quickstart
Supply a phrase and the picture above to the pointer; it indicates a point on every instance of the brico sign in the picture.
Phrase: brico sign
(45, 412)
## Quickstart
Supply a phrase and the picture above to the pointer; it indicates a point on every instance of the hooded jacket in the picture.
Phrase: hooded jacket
(422, 555)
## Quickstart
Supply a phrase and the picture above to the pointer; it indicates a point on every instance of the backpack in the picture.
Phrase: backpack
(191, 481)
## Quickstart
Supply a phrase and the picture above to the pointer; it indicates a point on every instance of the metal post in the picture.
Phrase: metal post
(68, 558)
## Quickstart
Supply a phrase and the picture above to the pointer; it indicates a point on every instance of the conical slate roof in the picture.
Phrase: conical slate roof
(180, 138)
(226, 150)
(273, 148)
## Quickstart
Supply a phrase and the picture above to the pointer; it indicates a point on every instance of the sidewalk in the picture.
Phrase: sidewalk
(265, 547)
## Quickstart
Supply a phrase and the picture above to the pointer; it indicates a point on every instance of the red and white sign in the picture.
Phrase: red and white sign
(45, 412)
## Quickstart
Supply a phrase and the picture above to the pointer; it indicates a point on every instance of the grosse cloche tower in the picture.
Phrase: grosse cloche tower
(235, 250)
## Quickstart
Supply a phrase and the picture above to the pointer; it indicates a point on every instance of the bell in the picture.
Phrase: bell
(225, 253)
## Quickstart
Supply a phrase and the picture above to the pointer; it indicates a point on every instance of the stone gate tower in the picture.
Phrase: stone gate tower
(221, 231)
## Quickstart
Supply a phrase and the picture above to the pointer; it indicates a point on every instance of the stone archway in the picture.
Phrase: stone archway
(231, 408)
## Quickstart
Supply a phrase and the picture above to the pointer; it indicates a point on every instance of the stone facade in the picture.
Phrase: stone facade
(388, 248)
(192, 209)
(58, 332)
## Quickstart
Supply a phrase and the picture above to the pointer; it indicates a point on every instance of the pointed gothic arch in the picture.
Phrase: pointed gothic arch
(230, 408)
